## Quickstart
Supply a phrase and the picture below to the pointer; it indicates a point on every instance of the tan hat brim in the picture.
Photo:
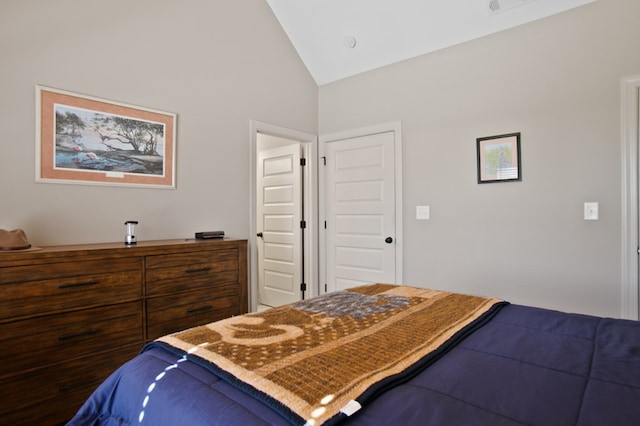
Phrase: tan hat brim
(32, 248)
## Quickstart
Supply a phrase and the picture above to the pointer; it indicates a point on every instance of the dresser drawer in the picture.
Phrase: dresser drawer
(37, 342)
(180, 311)
(176, 272)
(38, 289)
(55, 393)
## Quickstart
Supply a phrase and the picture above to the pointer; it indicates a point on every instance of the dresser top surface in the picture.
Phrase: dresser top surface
(113, 249)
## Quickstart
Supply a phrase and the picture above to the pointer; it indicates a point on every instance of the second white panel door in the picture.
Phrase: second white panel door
(360, 211)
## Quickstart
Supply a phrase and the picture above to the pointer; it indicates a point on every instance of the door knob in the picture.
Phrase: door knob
(259, 234)
(388, 240)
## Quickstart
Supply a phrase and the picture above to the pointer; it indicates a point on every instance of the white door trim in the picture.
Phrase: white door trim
(310, 142)
(396, 128)
(630, 88)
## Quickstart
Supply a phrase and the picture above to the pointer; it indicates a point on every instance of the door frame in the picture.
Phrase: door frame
(630, 132)
(396, 128)
(310, 188)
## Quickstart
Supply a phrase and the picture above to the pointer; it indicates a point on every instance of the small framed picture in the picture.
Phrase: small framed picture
(499, 158)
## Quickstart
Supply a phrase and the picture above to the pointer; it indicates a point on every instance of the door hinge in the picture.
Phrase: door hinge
(303, 161)
(303, 286)
(325, 224)
(303, 224)
(324, 161)
(325, 287)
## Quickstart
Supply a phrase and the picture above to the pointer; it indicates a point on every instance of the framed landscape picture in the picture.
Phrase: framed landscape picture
(87, 140)
(499, 158)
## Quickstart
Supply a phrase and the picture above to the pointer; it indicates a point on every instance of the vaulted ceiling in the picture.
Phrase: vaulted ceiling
(340, 38)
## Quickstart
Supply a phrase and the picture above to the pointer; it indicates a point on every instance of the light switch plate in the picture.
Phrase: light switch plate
(423, 212)
(591, 211)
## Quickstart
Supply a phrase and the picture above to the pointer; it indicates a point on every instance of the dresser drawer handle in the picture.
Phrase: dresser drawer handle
(81, 334)
(195, 271)
(200, 309)
(83, 284)
(81, 384)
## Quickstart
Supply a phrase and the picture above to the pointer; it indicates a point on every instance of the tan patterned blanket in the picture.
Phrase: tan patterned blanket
(321, 358)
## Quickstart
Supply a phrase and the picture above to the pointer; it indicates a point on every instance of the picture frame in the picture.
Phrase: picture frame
(87, 140)
(499, 158)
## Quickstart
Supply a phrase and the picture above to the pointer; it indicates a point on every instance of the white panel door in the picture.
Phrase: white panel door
(279, 212)
(360, 211)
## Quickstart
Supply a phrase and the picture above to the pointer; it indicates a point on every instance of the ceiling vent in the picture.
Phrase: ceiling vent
(496, 6)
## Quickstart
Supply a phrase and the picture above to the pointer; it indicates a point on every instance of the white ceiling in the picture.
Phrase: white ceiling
(389, 31)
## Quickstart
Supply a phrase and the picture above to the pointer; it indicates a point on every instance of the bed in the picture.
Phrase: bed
(382, 355)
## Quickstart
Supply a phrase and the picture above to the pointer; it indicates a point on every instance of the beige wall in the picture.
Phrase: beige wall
(217, 64)
(558, 82)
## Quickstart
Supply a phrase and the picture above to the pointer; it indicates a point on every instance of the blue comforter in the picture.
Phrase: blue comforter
(527, 366)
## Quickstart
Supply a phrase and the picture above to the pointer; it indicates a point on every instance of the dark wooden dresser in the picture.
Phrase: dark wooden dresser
(70, 315)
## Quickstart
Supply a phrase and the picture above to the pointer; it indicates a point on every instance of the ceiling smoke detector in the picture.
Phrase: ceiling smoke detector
(349, 41)
(496, 6)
